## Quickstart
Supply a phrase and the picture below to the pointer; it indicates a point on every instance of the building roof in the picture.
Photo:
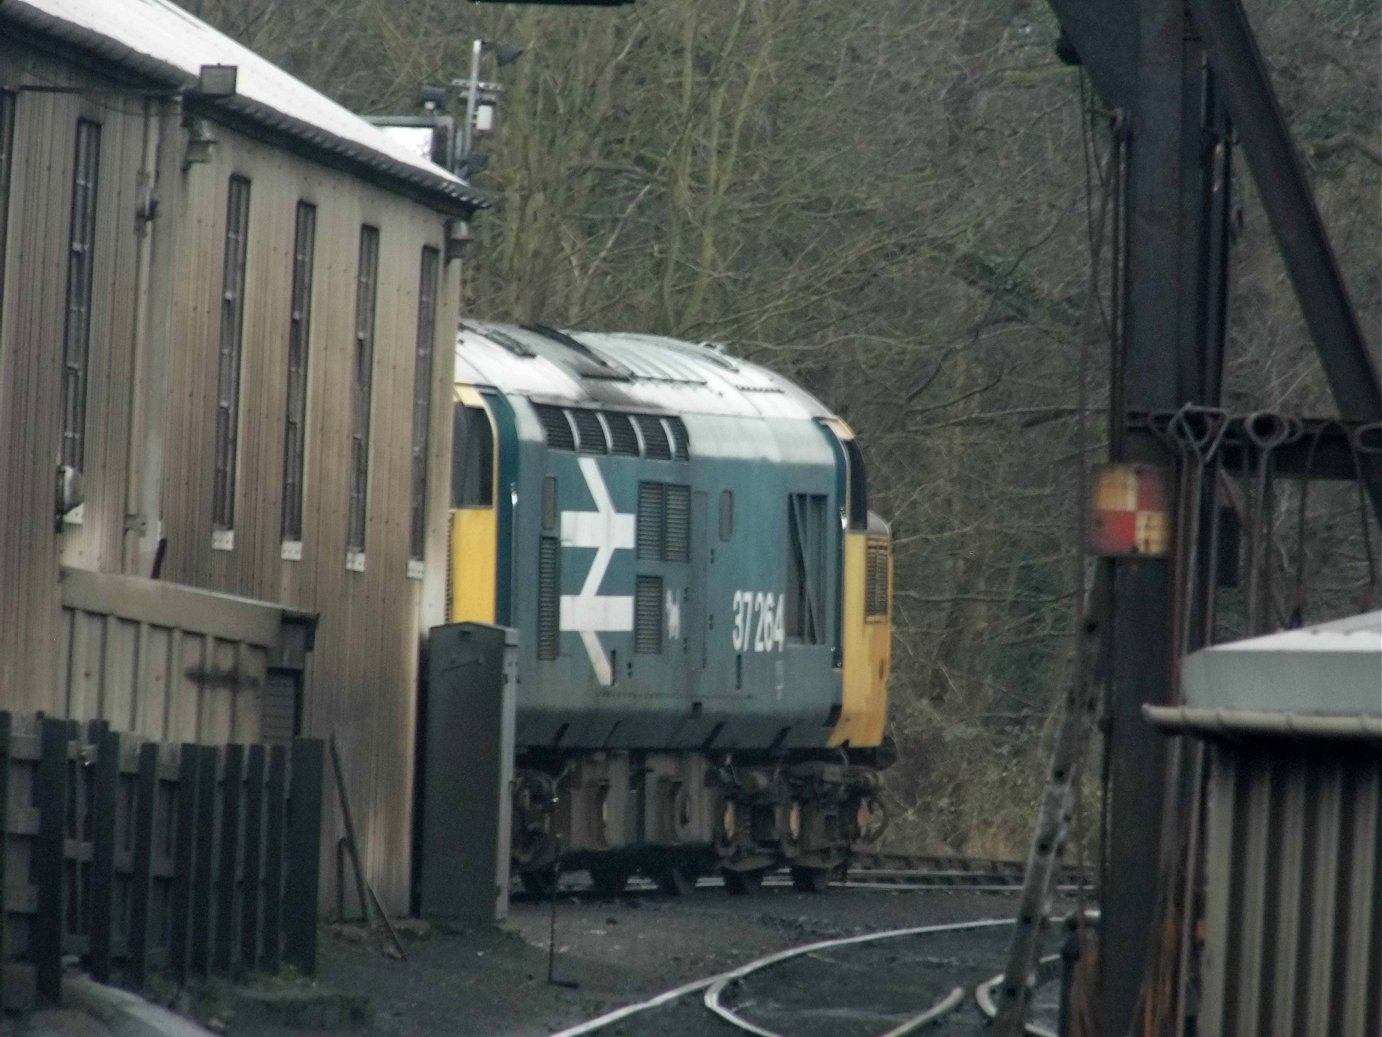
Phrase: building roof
(627, 371)
(158, 40)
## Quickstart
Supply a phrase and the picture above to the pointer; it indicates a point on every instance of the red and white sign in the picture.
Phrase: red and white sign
(1129, 513)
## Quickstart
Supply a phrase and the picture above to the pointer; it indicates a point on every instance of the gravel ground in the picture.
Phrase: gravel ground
(493, 982)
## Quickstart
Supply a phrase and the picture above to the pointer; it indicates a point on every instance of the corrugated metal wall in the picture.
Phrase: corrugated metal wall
(363, 673)
(1293, 926)
(362, 680)
(31, 360)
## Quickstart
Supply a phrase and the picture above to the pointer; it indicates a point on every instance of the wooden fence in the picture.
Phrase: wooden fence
(140, 857)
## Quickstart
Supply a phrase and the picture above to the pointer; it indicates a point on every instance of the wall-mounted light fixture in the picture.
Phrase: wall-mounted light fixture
(217, 80)
(459, 243)
(199, 143)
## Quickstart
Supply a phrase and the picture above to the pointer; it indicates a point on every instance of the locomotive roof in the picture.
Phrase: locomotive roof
(625, 370)
(158, 40)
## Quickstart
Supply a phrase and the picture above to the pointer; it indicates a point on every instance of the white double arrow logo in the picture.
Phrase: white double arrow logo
(606, 530)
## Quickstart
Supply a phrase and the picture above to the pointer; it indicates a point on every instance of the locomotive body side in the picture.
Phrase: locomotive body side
(679, 556)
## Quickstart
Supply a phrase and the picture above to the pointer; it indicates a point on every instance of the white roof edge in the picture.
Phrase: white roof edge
(158, 40)
(1330, 668)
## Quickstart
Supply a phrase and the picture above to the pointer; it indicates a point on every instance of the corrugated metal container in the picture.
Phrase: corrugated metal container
(1293, 896)
(1292, 919)
(177, 664)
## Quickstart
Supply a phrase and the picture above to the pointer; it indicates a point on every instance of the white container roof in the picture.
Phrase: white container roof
(1330, 669)
(159, 40)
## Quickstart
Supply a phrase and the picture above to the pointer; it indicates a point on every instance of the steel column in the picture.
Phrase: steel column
(1166, 363)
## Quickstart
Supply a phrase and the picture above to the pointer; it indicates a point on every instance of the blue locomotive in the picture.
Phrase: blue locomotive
(683, 542)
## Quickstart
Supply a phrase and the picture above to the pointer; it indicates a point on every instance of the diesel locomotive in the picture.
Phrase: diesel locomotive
(682, 540)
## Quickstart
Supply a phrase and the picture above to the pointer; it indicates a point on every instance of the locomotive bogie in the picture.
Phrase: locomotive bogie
(617, 813)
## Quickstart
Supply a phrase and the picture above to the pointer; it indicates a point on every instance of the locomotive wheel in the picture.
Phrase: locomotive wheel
(540, 883)
(608, 879)
(811, 880)
(678, 880)
(740, 883)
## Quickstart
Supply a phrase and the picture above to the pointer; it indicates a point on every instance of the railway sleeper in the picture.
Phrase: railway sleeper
(675, 817)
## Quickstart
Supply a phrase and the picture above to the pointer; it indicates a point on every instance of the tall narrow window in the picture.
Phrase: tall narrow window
(6, 164)
(422, 404)
(228, 361)
(366, 292)
(77, 335)
(299, 335)
(806, 531)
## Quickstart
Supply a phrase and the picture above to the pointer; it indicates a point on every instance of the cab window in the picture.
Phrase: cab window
(472, 459)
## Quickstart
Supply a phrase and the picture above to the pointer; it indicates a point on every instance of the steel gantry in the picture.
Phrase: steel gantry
(1189, 82)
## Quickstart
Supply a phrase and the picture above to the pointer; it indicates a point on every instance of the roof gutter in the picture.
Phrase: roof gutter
(455, 199)
(439, 191)
(1177, 720)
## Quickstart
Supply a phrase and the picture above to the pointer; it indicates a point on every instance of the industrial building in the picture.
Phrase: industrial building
(227, 317)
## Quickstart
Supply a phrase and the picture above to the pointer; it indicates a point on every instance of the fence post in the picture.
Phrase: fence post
(45, 939)
(184, 854)
(254, 848)
(277, 796)
(145, 803)
(231, 787)
(5, 732)
(304, 853)
(208, 771)
(107, 743)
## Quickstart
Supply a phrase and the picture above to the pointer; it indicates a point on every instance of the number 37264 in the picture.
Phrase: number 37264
(758, 622)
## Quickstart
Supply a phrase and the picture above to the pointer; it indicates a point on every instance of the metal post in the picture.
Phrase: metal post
(472, 94)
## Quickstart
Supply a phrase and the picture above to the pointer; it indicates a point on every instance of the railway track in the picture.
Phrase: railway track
(870, 870)
(716, 990)
(737, 995)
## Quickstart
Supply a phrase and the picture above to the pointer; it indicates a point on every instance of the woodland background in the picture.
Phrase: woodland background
(890, 201)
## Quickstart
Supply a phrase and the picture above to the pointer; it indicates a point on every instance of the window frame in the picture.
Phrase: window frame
(9, 108)
(465, 419)
(807, 620)
(297, 387)
(428, 290)
(81, 238)
(362, 391)
(229, 361)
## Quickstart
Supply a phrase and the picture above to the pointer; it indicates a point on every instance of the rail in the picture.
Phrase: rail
(714, 986)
